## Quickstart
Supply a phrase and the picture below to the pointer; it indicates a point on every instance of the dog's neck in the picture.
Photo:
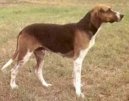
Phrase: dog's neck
(88, 24)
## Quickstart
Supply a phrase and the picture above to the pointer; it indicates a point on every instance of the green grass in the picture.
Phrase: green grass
(105, 73)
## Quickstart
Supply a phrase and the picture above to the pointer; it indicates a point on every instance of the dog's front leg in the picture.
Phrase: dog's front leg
(77, 72)
(77, 77)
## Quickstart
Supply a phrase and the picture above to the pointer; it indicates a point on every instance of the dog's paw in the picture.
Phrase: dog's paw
(47, 85)
(80, 95)
(14, 86)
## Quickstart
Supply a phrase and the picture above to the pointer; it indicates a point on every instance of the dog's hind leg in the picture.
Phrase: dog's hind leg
(23, 57)
(39, 54)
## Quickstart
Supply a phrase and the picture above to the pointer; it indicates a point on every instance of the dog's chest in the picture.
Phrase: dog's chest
(92, 41)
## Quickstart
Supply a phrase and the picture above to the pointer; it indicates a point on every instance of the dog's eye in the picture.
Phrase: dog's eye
(101, 10)
(109, 10)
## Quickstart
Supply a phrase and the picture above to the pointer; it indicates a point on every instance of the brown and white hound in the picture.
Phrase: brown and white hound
(72, 40)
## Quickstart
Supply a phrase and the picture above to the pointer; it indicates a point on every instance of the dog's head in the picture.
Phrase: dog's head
(105, 14)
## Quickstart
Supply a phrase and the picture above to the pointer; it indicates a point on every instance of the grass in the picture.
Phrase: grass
(105, 72)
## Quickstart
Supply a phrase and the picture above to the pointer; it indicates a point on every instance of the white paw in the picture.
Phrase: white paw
(79, 94)
(82, 95)
(14, 86)
(47, 85)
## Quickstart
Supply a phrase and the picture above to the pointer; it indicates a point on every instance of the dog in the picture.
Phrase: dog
(71, 40)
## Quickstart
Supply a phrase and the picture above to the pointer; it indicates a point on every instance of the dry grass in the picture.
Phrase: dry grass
(105, 70)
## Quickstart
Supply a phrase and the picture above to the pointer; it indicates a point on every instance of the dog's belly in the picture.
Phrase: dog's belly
(63, 48)
(59, 43)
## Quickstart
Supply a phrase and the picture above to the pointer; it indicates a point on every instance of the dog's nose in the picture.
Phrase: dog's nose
(121, 16)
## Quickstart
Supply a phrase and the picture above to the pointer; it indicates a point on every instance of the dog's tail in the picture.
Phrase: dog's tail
(12, 59)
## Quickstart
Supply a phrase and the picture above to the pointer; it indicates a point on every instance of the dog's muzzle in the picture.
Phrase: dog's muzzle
(119, 16)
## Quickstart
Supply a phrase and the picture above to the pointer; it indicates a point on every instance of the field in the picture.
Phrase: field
(105, 74)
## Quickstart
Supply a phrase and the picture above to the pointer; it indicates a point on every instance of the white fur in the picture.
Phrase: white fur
(7, 64)
(39, 74)
(15, 70)
(118, 16)
(78, 66)
(27, 56)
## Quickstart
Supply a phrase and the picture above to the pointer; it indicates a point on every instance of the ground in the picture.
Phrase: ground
(105, 74)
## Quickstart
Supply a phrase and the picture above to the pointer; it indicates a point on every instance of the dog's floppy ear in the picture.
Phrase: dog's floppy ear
(95, 19)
